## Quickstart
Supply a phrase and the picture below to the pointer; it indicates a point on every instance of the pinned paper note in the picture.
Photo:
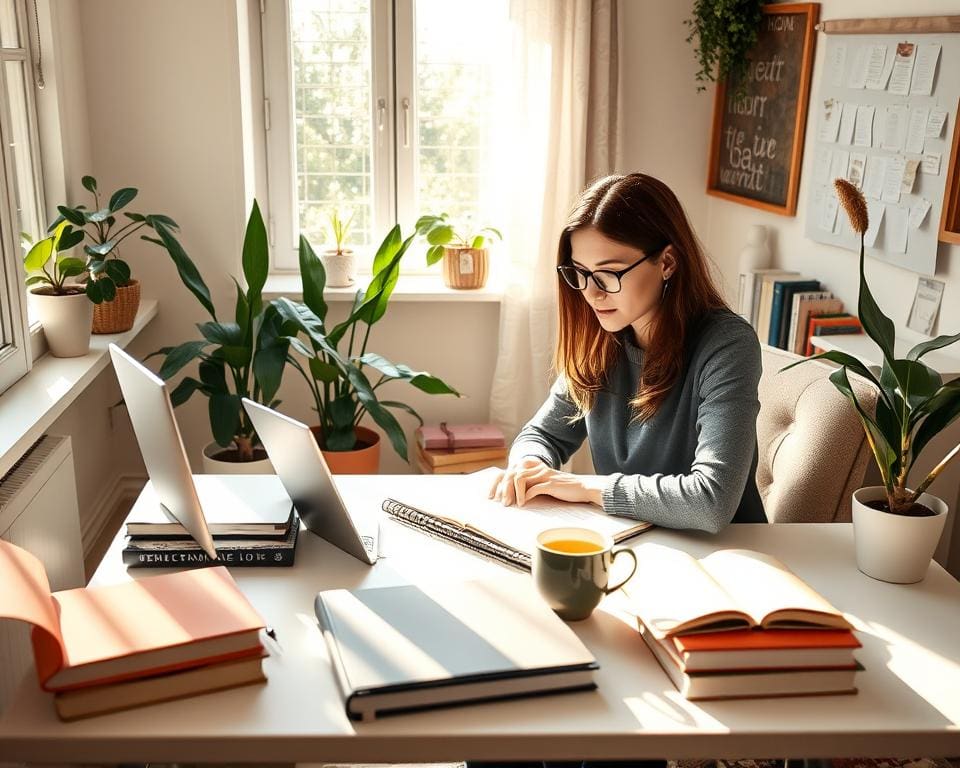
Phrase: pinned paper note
(916, 130)
(909, 176)
(875, 216)
(848, 116)
(902, 69)
(830, 120)
(877, 70)
(926, 305)
(838, 58)
(918, 212)
(855, 169)
(894, 128)
(925, 68)
(858, 69)
(931, 163)
(828, 218)
(839, 165)
(821, 165)
(863, 129)
(935, 123)
(873, 176)
(895, 230)
(892, 179)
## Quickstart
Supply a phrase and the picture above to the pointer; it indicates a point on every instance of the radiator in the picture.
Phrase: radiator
(38, 511)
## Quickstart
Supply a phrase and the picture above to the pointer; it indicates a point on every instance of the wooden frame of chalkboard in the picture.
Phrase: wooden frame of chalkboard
(744, 162)
(950, 219)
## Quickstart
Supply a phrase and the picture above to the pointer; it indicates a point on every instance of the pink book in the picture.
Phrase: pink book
(457, 436)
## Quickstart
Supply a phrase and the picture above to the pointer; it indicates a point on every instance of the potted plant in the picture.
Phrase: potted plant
(337, 375)
(242, 357)
(64, 310)
(725, 31)
(466, 262)
(340, 263)
(896, 527)
(109, 286)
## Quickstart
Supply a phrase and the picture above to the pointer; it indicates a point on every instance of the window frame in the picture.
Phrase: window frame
(16, 358)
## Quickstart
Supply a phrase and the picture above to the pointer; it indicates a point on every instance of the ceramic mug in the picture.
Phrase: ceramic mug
(571, 568)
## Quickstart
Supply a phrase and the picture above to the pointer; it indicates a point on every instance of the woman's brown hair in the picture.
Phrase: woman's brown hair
(641, 212)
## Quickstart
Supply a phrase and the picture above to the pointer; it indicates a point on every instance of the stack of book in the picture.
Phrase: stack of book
(245, 534)
(740, 624)
(786, 309)
(451, 449)
(102, 649)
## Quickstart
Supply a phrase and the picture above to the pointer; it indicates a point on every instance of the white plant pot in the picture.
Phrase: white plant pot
(341, 268)
(895, 548)
(212, 466)
(67, 321)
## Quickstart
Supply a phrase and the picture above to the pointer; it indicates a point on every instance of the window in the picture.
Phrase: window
(21, 203)
(383, 109)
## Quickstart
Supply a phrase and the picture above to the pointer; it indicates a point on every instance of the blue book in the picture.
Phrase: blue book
(781, 305)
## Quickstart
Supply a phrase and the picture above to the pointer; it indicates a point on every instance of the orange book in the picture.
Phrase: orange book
(747, 649)
(98, 635)
(815, 325)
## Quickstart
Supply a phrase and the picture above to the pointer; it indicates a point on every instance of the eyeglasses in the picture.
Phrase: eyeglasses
(607, 280)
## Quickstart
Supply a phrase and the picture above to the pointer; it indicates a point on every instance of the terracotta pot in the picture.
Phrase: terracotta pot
(363, 460)
(117, 315)
(66, 322)
(214, 466)
(895, 548)
(340, 268)
(465, 267)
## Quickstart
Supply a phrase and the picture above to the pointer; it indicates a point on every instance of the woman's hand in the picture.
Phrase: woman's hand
(531, 477)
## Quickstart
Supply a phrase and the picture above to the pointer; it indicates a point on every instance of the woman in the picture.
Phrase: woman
(654, 370)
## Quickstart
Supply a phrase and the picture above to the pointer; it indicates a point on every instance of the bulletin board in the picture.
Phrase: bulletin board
(883, 118)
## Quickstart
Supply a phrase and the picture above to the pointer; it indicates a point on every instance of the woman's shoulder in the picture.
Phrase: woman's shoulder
(724, 332)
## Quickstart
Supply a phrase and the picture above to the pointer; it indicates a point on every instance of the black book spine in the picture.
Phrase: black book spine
(237, 557)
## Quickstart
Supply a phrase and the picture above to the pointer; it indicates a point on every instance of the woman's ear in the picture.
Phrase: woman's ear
(668, 262)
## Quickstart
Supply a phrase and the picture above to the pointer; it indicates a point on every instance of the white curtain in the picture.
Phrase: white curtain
(561, 114)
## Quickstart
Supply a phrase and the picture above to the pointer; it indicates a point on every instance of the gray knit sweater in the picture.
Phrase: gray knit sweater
(692, 464)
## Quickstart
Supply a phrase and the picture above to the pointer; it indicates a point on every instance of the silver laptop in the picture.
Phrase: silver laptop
(155, 427)
(295, 455)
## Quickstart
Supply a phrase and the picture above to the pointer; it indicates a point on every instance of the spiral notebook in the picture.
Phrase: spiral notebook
(456, 509)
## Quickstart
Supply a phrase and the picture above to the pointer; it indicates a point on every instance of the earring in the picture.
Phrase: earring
(666, 283)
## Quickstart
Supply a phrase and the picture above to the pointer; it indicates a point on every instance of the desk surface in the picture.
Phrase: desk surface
(908, 704)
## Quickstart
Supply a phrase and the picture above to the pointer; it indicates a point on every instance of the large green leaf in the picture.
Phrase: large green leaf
(434, 254)
(38, 255)
(440, 235)
(184, 390)
(227, 334)
(268, 366)
(69, 238)
(180, 356)
(118, 271)
(309, 323)
(242, 314)
(941, 411)
(917, 382)
(420, 379)
(70, 267)
(381, 287)
(877, 325)
(256, 258)
(73, 215)
(213, 375)
(402, 407)
(842, 358)
(96, 217)
(929, 346)
(120, 198)
(323, 371)
(100, 249)
(224, 417)
(187, 270)
(884, 454)
(89, 183)
(386, 420)
(314, 279)
(387, 250)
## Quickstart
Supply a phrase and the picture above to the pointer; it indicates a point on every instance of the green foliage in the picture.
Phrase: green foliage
(334, 368)
(440, 234)
(913, 404)
(241, 358)
(340, 228)
(46, 262)
(725, 31)
(103, 265)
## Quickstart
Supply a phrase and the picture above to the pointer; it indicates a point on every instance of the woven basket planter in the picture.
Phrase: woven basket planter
(465, 267)
(118, 315)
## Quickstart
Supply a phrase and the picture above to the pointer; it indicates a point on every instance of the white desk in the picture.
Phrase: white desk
(908, 705)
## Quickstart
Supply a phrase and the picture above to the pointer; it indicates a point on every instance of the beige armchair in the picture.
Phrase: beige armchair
(812, 450)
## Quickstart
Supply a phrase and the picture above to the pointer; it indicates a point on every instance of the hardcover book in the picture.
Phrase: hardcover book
(455, 437)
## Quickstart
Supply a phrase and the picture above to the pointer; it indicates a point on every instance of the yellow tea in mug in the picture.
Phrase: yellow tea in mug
(574, 546)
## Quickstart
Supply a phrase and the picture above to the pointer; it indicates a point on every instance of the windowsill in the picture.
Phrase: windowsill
(31, 405)
(422, 288)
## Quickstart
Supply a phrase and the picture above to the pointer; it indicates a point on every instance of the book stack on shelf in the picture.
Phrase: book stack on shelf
(103, 649)
(456, 449)
(786, 309)
(740, 624)
(256, 533)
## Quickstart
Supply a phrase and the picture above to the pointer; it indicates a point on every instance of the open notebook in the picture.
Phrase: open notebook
(456, 509)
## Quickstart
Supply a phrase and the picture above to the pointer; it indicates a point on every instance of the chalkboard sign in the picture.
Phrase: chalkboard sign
(757, 139)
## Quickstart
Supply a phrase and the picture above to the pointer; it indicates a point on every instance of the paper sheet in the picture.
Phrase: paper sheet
(838, 168)
(916, 130)
(875, 213)
(828, 216)
(935, 123)
(838, 58)
(821, 165)
(902, 69)
(925, 68)
(895, 238)
(858, 161)
(848, 116)
(893, 128)
(879, 67)
(918, 212)
(926, 305)
(873, 176)
(892, 179)
(909, 176)
(931, 163)
(829, 120)
(857, 79)
(863, 130)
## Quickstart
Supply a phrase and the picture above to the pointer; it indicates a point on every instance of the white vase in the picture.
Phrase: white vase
(341, 268)
(212, 466)
(895, 548)
(67, 321)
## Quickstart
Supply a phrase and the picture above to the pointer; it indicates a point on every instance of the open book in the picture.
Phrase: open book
(456, 509)
(673, 593)
(98, 635)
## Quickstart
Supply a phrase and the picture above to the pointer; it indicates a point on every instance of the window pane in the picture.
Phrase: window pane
(21, 150)
(457, 70)
(9, 37)
(330, 44)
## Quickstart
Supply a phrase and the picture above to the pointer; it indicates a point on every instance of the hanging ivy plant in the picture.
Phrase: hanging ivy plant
(724, 30)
